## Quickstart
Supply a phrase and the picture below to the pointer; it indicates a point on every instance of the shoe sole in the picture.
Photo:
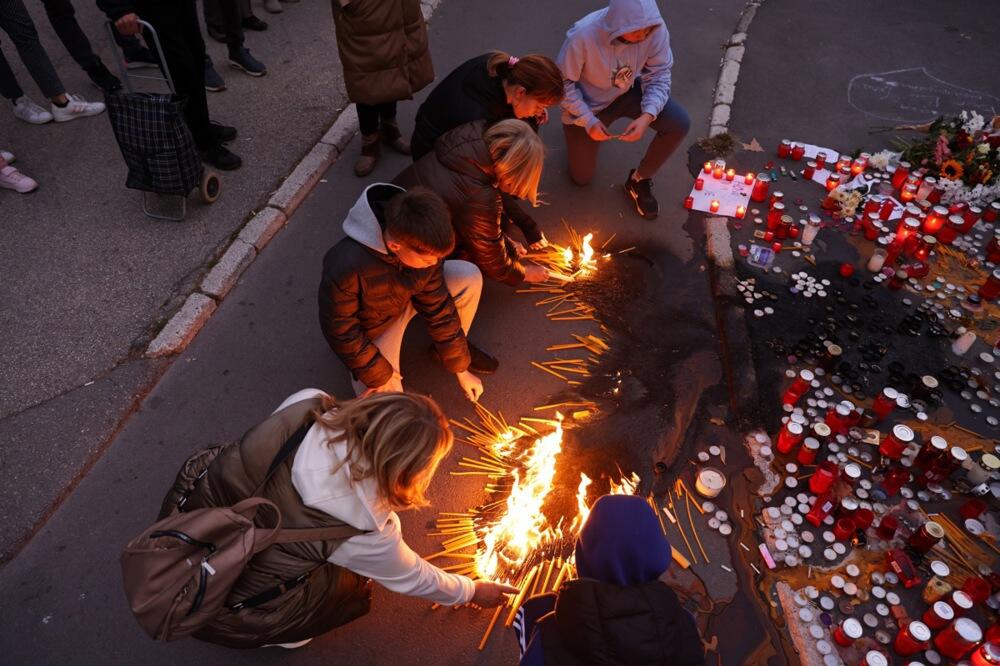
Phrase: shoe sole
(638, 207)
(138, 64)
(236, 65)
(215, 88)
(78, 116)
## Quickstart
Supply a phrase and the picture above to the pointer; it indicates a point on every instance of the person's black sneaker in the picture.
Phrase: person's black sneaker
(213, 82)
(482, 363)
(103, 79)
(216, 32)
(221, 158)
(222, 133)
(246, 62)
(641, 192)
(253, 23)
(140, 57)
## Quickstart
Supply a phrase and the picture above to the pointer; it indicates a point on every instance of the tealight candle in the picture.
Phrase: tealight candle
(749, 178)
(714, 206)
(731, 174)
(708, 167)
(699, 184)
(741, 211)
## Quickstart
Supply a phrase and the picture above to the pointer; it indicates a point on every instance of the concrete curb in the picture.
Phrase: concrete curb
(741, 375)
(258, 231)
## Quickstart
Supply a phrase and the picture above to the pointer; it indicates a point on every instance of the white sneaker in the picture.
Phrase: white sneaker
(288, 646)
(7, 157)
(77, 107)
(29, 112)
(12, 179)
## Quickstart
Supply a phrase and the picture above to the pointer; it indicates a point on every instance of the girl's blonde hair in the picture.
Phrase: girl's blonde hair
(398, 439)
(518, 155)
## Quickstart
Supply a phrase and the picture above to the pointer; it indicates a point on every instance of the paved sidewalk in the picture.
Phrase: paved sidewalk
(88, 279)
(264, 342)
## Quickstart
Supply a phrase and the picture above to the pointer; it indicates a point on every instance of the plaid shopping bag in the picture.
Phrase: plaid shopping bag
(156, 143)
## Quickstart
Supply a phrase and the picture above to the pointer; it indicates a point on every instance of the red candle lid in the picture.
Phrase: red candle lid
(919, 631)
(961, 599)
(943, 610)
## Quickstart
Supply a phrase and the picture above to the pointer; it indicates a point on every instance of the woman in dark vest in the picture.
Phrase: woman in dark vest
(619, 611)
(491, 87)
(359, 463)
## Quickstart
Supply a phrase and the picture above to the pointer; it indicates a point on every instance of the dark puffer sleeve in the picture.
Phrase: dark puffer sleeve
(477, 223)
(338, 317)
(435, 305)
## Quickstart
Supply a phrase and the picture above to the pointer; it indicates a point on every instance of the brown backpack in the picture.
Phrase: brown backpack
(178, 573)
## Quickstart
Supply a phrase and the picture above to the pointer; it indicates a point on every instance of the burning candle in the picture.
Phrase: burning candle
(760, 187)
(832, 181)
(846, 270)
(924, 249)
(949, 232)
(935, 220)
(820, 509)
(908, 227)
(748, 179)
(719, 169)
(958, 638)
(784, 148)
(731, 174)
(741, 212)
(900, 174)
(714, 206)
(988, 654)
(708, 167)
(709, 482)
(842, 162)
(990, 290)
(798, 151)
(912, 638)
(908, 193)
(859, 164)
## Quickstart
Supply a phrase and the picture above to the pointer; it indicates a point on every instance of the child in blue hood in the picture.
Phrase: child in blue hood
(618, 611)
(616, 64)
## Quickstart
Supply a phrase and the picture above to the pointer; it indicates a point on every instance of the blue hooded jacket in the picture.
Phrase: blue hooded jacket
(598, 67)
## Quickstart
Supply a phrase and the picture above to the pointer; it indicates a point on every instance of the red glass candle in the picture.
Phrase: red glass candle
(774, 215)
(951, 229)
(926, 537)
(714, 206)
(823, 478)
(801, 384)
(820, 159)
(749, 178)
(832, 181)
(894, 444)
(933, 448)
(912, 638)
(846, 270)
(820, 509)
(871, 206)
(798, 151)
(900, 174)
(885, 210)
(849, 631)
(731, 174)
(908, 193)
(708, 167)
(992, 212)
(859, 164)
(838, 418)
(993, 249)
(895, 478)
(978, 589)
(887, 527)
(810, 170)
(776, 196)
(908, 227)
(935, 220)
(988, 654)
(971, 216)
(938, 615)
(863, 519)
(847, 508)
(761, 187)
(784, 148)
(989, 290)
(972, 508)
(699, 184)
(958, 638)
(789, 437)
(844, 529)
(808, 451)
(741, 212)
(689, 203)
(961, 602)
(719, 169)
(885, 402)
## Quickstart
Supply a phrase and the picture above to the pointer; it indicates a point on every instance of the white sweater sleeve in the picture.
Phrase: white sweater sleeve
(384, 557)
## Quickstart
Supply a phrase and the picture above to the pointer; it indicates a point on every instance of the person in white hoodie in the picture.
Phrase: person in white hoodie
(352, 465)
(616, 64)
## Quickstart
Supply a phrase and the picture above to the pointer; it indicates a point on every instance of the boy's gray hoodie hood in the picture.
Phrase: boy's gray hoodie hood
(598, 67)
(362, 223)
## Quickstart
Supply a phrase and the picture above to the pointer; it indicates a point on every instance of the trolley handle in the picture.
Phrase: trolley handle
(147, 29)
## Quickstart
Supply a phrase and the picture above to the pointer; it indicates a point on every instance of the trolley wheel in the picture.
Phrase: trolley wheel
(211, 187)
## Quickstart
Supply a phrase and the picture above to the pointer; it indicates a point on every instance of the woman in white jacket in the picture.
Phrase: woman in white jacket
(358, 463)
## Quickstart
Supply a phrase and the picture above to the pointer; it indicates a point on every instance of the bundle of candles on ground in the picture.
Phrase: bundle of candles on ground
(887, 580)
(509, 538)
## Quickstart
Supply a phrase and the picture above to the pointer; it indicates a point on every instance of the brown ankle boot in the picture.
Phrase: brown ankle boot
(369, 155)
(392, 137)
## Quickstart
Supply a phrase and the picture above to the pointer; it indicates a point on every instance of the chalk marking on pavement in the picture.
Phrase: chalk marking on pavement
(914, 95)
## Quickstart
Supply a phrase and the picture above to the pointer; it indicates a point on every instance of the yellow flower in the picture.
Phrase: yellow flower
(952, 169)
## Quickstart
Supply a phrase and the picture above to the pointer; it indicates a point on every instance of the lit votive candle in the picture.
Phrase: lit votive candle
(731, 174)
(714, 206)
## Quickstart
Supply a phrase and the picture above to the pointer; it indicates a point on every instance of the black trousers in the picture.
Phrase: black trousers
(62, 16)
(370, 114)
(228, 15)
(177, 26)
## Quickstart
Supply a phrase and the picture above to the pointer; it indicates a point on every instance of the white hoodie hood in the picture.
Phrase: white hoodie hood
(362, 223)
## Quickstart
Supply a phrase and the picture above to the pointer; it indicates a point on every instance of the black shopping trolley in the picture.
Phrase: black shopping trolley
(156, 143)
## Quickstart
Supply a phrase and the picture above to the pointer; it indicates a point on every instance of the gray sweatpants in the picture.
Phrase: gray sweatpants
(16, 22)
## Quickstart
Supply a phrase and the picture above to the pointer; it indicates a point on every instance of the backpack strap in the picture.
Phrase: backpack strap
(286, 450)
(336, 532)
